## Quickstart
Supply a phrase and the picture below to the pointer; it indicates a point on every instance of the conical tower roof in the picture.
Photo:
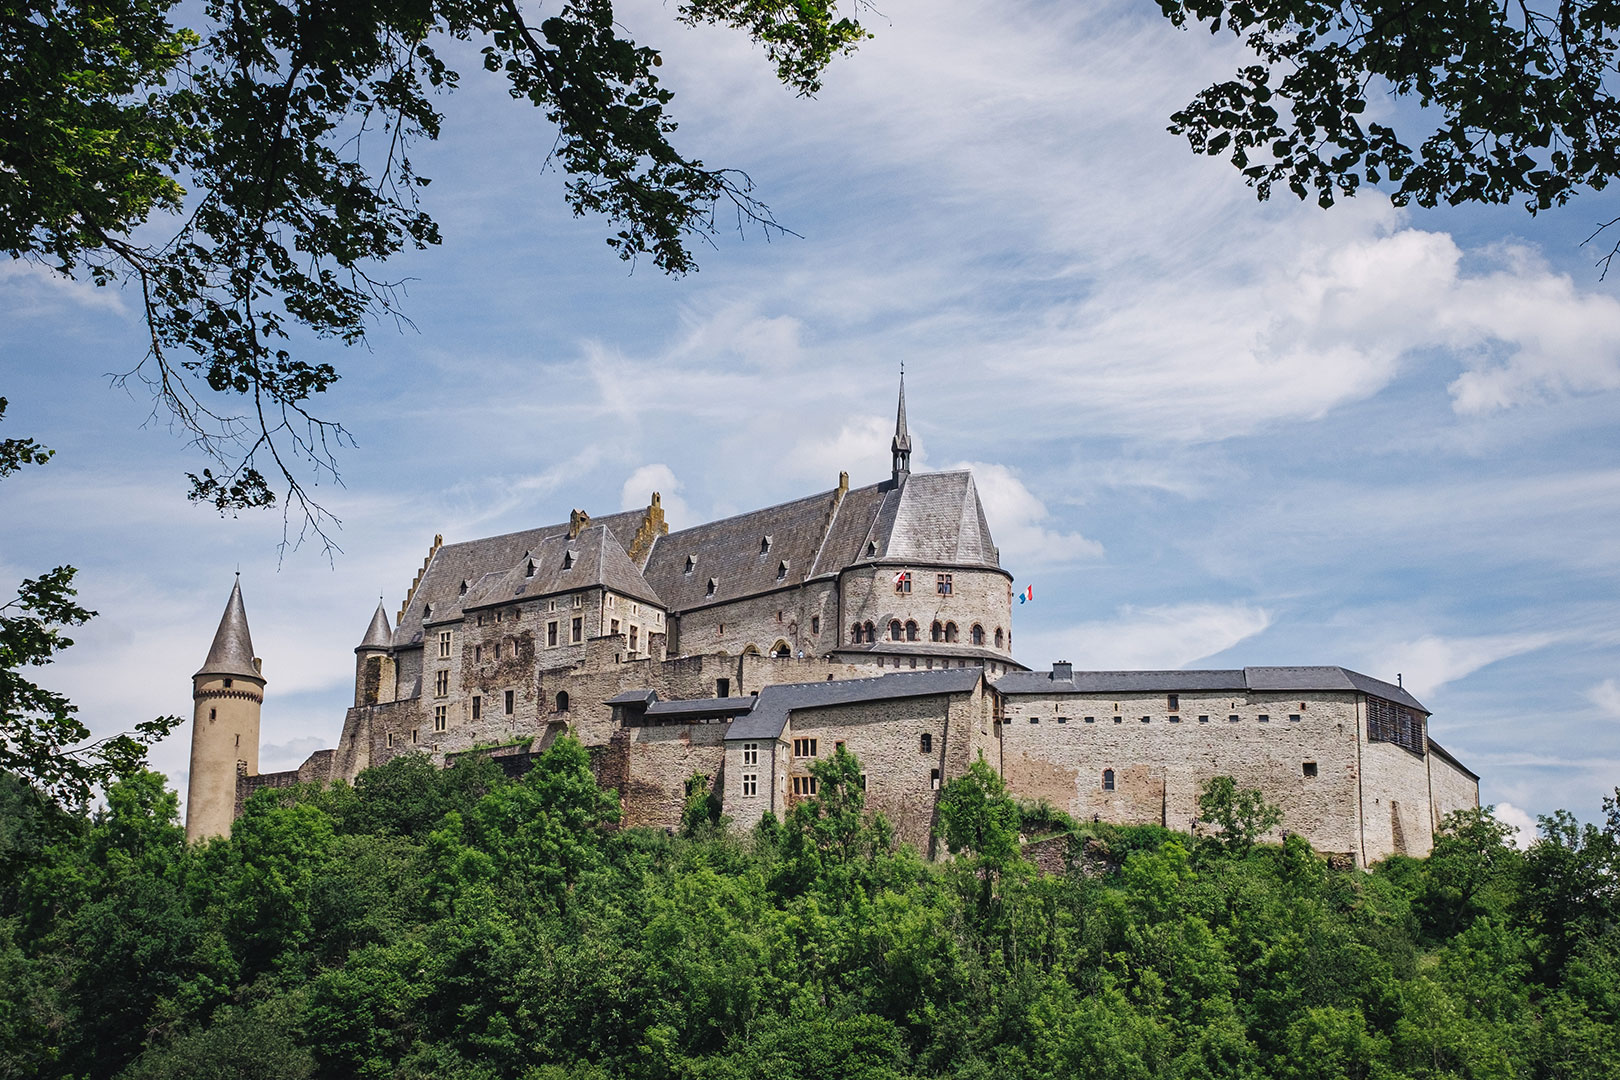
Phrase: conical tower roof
(902, 437)
(232, 651)
(378, 636)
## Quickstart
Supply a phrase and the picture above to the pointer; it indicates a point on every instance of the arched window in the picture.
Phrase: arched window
(855, 634)
(871, 634)
(562, 701)
(998, 637)
(781, 648)
(936, 632)
(950, 631)
(911, 630)
(896, 631)
(1108, 779)
(750, 650)
(978, 634)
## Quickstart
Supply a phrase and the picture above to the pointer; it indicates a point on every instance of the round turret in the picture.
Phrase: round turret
(227, 693)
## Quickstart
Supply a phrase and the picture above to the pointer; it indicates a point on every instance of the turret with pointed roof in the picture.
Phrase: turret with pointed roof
(378, 635)
(226, 693)
(901, 447)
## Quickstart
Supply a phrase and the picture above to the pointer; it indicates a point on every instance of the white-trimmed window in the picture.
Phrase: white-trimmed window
(441, 683)
(441, 717)
(750, 753)
(804, 748)
(750, 783)
(444, 643)
(551, 631)
(576, 630)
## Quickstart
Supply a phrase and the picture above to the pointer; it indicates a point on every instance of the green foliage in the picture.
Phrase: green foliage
(1517, 99)
(1241, 816)
(275, 138)
(41, 739)
(347, 932)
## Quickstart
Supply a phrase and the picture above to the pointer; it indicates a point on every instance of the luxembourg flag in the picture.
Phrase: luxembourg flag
(1027, 595)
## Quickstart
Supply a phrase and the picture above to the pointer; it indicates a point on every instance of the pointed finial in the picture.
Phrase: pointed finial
(901, 447)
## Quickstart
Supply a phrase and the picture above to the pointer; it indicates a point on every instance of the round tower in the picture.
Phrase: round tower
(373, 662)
(227, 693)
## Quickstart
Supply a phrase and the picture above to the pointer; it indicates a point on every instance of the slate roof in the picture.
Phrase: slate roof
(378, 635)
(1443, 752)
(1253, 678)
(232, 650)
(728, 551)
(726, 706)
(776, 703)
(935, 517)
(594, 558)
(470, 560)
(845, 542)
(937, 649)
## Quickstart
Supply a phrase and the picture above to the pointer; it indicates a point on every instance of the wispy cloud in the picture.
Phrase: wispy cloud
(1173, 636)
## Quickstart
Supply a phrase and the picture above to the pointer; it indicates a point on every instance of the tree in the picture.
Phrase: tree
(277, 136)
(1241, 816)
(41, 738)
(976, 815)
(1517, 100)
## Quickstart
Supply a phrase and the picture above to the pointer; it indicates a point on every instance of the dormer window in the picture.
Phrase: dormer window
(691, 563)
(568, 560)
(713, 584)
(781, 570)
(871, 549)
(765, 545)
(427, 611)
(528, 571)
(464, 586)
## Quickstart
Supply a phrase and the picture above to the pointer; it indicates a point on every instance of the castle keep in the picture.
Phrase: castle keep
(876, 618)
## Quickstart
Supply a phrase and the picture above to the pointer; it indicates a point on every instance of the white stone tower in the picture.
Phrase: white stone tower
(227, 693)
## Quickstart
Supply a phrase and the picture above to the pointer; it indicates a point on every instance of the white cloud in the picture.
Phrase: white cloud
(1018, 521)
(1430, 662)
(639, 488)
(1171, 636)
(1524, 825)
(28, 288)
(1606, 696)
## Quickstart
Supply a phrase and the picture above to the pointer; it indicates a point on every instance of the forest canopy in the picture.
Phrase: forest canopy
(460, 924)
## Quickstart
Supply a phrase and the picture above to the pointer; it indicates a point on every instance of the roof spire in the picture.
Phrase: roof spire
(232, 650)
(378, 636)
(901, 447)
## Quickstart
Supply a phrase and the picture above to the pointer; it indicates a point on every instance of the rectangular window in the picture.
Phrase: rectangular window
(388, 740)
(480, 618)
(497, 648)
(1119, 719)
(1264, 718)
(576, 630)
(815, 624)
(478, 654)
(1174, 719)
(1293, 718)
(635, 638)
(551, 632)
(722, 688)
(863, 781)
(805, 785)
(927, 742)
(942, 584)
(1172, 702)
(750, 753)
(511, 700)
(1388, 722)
(933, 779)
(1034, 719)
(444, 643)
(1203, 719)
(1091, 719)
(440, 717)
(1063, 719)
(579, 599)
(750, 783)
(1309, 768)
(477, 708)
(804, 748)
(441, 684)
(551, 605)
(1145, 719)
(413, 736)
(1233, 718)
(613, 626)
(902, 581)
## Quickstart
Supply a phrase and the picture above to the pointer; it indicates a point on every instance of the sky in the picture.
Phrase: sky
(1209, 431)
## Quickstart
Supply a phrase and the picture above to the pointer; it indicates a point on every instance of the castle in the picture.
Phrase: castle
(876, 618)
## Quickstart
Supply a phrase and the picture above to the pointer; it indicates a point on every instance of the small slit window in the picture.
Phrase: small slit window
(926, 742)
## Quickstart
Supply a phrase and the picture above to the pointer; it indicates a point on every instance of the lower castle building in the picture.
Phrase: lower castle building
(876, 618)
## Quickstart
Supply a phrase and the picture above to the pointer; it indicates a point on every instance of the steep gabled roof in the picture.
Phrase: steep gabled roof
(469, 561)
(232, 650)
(594, 558)
(937, 518)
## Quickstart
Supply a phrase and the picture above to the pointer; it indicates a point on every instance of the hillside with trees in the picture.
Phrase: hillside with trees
(460, 924)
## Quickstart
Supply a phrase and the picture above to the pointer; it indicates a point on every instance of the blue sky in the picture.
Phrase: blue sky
(1210, 432)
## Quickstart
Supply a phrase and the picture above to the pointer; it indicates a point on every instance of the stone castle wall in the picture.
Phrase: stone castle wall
(977, 596)
(1451, 788)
